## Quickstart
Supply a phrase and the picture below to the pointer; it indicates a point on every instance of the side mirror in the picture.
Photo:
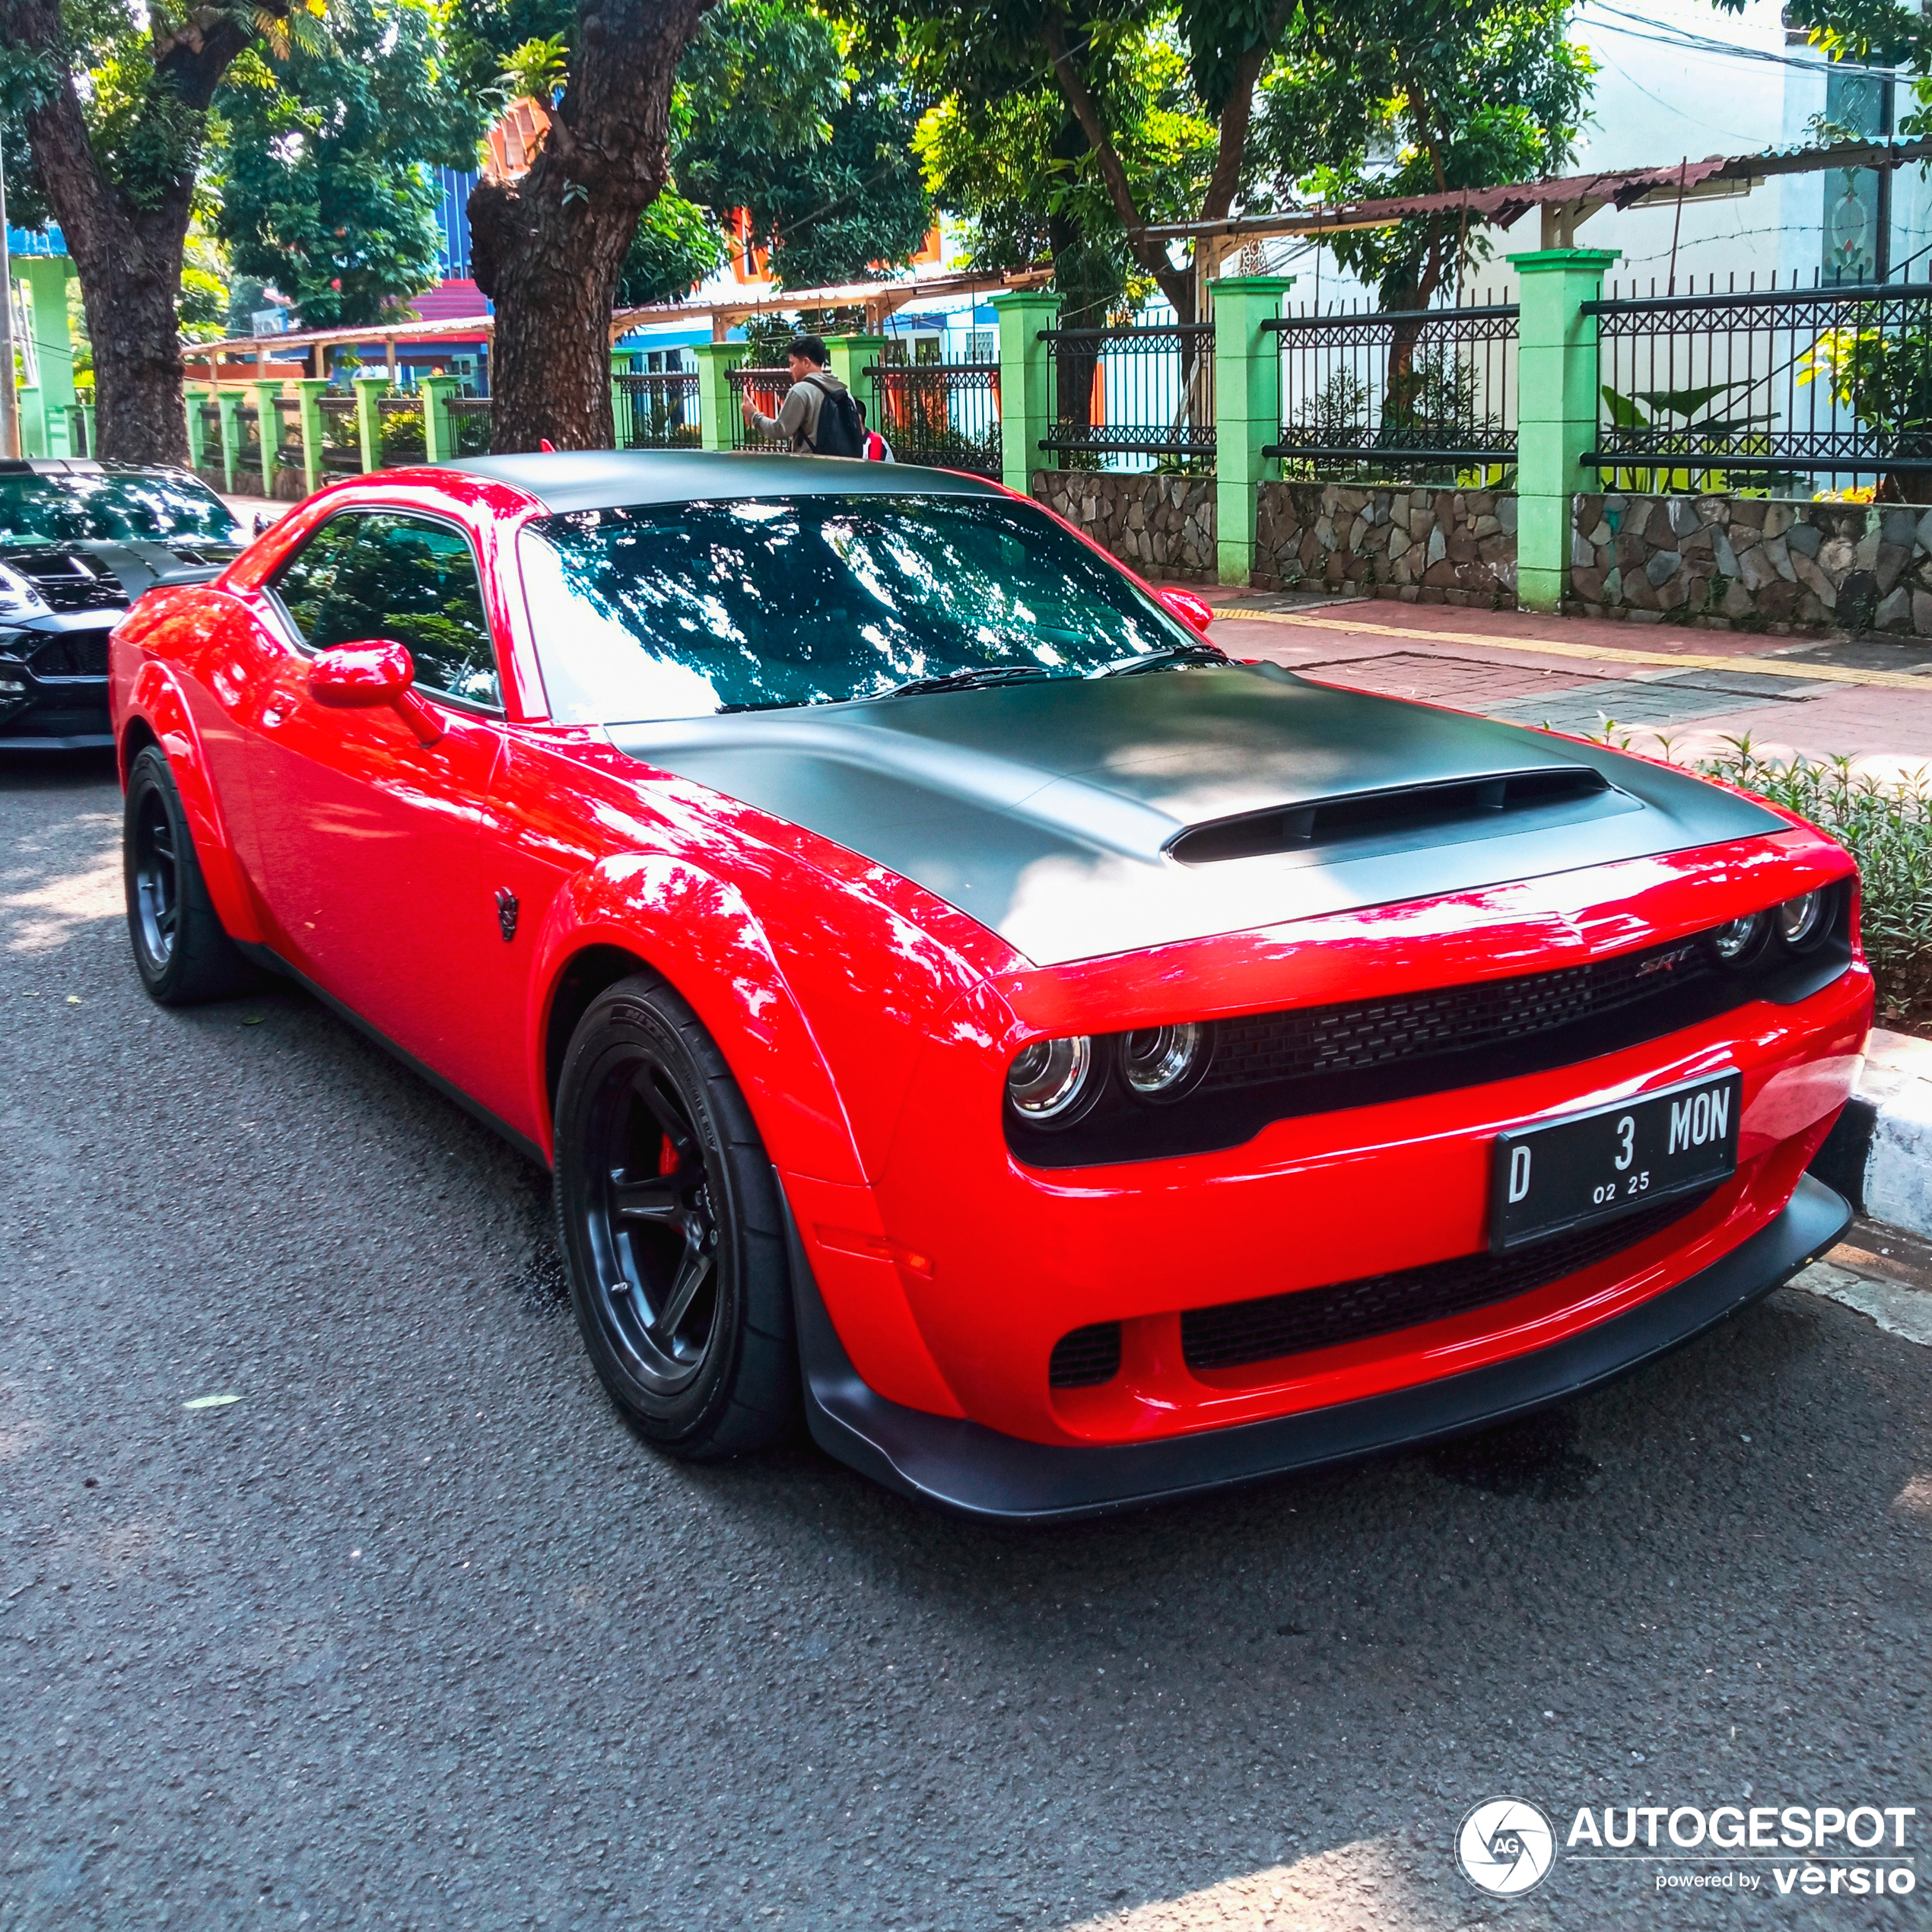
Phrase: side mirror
(1196, 613)
(362, 677)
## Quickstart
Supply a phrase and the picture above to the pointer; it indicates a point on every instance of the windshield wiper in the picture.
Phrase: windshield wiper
(1162, 659)
(982, 674)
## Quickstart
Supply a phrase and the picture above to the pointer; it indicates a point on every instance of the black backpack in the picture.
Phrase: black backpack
(839, 432)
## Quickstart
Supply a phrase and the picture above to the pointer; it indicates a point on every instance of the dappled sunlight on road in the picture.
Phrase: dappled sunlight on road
(41, 907)
(1369, 1883)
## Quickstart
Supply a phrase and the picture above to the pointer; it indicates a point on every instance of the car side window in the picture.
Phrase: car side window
(386, 573)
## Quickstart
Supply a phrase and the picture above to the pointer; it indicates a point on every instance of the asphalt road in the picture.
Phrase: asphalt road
(413, 1633)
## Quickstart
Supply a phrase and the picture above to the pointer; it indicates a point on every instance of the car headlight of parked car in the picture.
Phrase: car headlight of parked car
(18, 598)
(1801, 920)
(1051, 1083)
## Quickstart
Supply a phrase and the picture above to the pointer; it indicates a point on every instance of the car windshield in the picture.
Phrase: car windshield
(98, 504)
(674, 610)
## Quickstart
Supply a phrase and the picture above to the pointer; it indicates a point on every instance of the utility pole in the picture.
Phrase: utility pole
(9, 399)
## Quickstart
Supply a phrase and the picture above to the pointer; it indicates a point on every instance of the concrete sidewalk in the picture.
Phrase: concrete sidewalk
(1684, 690)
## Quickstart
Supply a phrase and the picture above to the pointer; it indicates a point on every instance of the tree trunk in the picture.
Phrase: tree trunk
(129, 256)
(552, 272)
(547, 248)
(140, 410)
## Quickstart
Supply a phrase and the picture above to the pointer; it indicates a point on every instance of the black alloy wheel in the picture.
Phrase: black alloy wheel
(180, 949)
(155, 877)
(671, 1227)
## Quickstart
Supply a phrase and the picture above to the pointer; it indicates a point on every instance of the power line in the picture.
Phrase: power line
(1636, 27)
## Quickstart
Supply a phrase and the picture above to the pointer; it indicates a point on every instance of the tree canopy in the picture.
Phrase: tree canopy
(116, 97)
(322, 192)
(1082, 128)
(1415, 99)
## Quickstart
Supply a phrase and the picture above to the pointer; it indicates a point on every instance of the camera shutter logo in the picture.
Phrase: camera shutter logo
(1506, 1846)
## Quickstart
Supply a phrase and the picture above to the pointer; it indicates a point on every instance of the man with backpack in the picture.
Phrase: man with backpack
(819, 416)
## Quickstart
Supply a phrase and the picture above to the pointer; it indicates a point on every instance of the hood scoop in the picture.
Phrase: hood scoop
(1355, 817)
(1078, 816)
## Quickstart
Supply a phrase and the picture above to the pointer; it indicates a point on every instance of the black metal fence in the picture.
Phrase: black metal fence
(656, 411)
(1422, 395)
(399, 420)
(1769, 389)
(1143, 395)
(768, 389)
(469, 424)
(945, 414)
(341, 438)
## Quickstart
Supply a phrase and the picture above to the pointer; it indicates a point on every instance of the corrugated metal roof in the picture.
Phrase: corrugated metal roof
(1584, 193)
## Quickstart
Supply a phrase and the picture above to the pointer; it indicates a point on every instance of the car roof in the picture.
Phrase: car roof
(606, 479)
(86, 466)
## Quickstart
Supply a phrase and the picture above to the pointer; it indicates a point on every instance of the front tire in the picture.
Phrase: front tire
(672, 1228)
(180, 948)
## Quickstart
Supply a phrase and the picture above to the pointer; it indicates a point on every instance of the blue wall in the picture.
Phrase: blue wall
(453, 185)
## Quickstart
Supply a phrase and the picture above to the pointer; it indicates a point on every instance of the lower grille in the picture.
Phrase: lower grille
(72, 654)
(1315, 1042)
(1086, 1357)
(1233, 1334)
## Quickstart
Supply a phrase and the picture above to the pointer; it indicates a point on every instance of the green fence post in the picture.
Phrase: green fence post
(45, 277)
(623, 418)
(851, 356)
(268, 423)
(1026, 382)
(197, 401)
(1556, 410)
(1247, 412)
(308, 392)
(716, 361)
(369, 386)
(439, 432)
(33, 422)
(229, 403)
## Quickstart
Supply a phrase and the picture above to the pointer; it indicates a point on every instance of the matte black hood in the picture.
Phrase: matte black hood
(1054, 811)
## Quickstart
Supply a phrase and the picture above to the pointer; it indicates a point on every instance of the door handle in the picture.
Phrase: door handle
(272, 715)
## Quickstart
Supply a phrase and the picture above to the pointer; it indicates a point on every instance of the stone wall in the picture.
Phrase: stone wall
(1753, 563)
(1162, 525)
(1427, 546)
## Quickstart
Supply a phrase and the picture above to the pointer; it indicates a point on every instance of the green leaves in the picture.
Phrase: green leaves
(776, 117)
(1455, 94)
(536, 69)
(323, 194)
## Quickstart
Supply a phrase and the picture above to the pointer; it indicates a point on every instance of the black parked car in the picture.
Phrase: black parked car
(79, 541)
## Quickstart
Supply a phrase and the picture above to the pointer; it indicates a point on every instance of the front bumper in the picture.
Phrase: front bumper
(40, 712)
(965, 1467)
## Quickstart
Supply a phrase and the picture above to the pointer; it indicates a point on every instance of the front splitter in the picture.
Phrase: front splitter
(978, 1472)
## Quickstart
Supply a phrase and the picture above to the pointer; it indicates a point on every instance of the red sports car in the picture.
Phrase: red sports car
(1088, 1069)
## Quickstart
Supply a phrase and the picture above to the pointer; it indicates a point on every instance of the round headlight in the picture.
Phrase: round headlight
(1735, 938)
(1048, 1079)
(1799, 919)
(1158, 1061)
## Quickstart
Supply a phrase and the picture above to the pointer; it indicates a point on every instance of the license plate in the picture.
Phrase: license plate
(1612, 1161)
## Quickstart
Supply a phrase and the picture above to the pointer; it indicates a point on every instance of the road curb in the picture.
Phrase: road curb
(1879, 1155)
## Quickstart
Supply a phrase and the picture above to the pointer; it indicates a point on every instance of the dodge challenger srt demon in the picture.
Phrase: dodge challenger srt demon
(947, 989)
(79, 541)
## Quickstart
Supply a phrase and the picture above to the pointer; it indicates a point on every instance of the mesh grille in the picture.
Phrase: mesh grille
(1235, 1333)
(73, 654)
(1086, 1357)
(1367, 1034)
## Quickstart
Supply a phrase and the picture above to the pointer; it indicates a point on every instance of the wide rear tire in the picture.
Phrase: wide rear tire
(180, 948)
(672, 1228)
